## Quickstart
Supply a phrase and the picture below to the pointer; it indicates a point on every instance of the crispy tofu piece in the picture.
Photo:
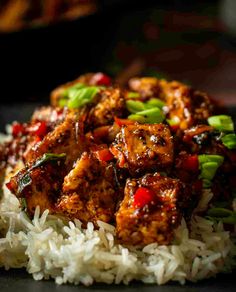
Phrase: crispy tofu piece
(185, 105)
(147, 87)
(154, 222)
(39, 185)
(111, 104)
(142, 148)
(66, 138)
(89, 191)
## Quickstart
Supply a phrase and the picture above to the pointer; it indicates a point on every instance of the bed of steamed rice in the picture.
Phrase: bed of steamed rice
(50, 248)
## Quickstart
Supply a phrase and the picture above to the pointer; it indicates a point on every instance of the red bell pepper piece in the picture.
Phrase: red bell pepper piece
(104, 155)
(101, 79)
(38, 129)
(18, 129)
(191, 163)
(123, 122)
(143, 196)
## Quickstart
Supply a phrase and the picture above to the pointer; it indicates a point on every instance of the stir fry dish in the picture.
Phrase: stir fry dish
(138, 157)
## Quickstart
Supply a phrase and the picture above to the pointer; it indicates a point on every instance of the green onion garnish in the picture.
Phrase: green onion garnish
(132, 94)
(174, 121)
(229, 141)
(134, 106)
(82, 96)
(146, 112)
(137, 118)
(208, 170)
(152, 116)
(208, 165)
(222, 123)
(222, 214)
(155, 102)
(210, 158)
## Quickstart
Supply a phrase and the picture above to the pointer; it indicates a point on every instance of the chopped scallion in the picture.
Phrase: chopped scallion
(155, 102)
(210, 158)
(222, 123)
(82, 96)
(132, 94)
(134, 106)
(229, 141)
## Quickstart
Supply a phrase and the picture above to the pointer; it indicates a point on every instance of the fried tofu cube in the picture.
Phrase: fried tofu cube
(89, 191)
(155, 220)
(110, 105)
(142, 148)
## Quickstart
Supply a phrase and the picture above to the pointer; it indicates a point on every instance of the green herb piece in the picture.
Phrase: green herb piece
(48, 157)
(222, 123)
(174, 121)
(63, 102)
(132, 94)
(219, 212)
(154, 115)
(26, 178)
(134, 106)
(70, 90)
(202, 158)
(222, 214)
(155, 102)
(208, 170)
(208, 165)
(229, 141)
(82, 96)
(24, 182)
(137, 118)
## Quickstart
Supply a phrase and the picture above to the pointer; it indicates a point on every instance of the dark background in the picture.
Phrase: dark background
(179, 39)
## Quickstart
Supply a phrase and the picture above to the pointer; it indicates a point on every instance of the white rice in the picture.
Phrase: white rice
(49, 248)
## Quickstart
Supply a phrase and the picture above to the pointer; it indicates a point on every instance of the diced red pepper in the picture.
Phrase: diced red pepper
(101, 79)
(191, 163)
(174, 128)
(9, 186)
(143, 196)
(104, 155)
(38, 129)
(123, 122)
(18, 129)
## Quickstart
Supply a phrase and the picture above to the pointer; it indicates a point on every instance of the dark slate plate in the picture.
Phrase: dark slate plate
(18, 280)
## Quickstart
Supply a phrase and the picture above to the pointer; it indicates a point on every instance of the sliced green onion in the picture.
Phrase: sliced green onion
(132, 94)
(155, 102)
(222, 123)
(138, 118)
(219, 212)
(210, 158)
(70, 90)
(208, 170)
(208, 165)
(154, 115)
(63, 102)
(174, 121)
(229, 141)
(135, 106)
(82, 96)
(46, 158)
(222, 214)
